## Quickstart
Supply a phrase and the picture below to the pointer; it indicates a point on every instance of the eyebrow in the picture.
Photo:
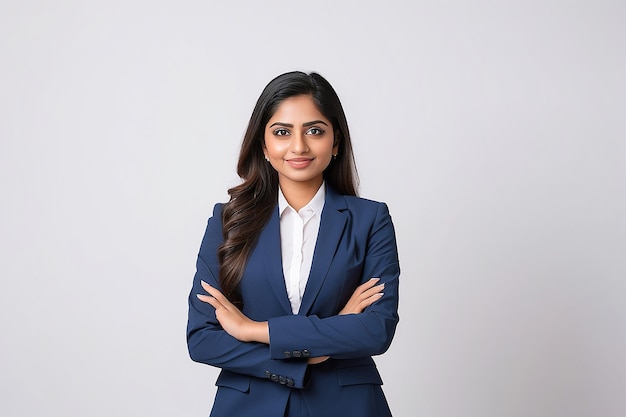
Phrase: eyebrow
(307, 124)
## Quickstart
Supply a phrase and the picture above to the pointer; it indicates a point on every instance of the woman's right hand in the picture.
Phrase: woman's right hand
(364, 296)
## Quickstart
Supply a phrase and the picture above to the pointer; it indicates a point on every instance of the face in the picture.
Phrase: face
(299, 143)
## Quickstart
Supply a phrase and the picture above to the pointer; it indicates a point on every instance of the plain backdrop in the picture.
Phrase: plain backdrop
(495, 131)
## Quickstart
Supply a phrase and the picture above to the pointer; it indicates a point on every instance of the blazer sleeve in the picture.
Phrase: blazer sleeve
(206, 340)
(353, 335)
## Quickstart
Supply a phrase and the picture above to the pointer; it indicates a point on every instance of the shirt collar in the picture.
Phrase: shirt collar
(316, 204)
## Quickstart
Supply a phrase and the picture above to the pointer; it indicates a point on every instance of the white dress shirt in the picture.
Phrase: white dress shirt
(298, 235)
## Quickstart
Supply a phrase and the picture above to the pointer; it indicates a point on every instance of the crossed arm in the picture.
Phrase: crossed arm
(242, 328)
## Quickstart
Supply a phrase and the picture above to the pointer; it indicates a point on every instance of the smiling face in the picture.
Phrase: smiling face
(299, 143)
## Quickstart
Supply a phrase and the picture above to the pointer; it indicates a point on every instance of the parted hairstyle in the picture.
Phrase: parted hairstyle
(252, 202)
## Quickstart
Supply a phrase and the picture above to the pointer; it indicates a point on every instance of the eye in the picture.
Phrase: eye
(281, 132)
(315, 131)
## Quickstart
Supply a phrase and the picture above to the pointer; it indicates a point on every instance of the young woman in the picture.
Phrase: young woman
(297, 278)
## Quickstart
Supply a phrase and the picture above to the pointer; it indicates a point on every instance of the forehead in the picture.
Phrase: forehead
(297, 109)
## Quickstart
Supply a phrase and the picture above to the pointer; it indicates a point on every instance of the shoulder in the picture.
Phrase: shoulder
(217, 210)
(214, 224)
(370, 220)
(363, 211)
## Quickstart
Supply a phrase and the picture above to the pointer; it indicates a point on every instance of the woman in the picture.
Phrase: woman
(288, 296)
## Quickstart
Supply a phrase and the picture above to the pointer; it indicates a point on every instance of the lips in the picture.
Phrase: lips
(299, 162)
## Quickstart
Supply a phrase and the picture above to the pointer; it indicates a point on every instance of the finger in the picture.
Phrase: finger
(373, 290)
(366, 285)
(370, 282)
(370, 300)
(215, 293)
(368, 293)
(208, 287)
(209, 300)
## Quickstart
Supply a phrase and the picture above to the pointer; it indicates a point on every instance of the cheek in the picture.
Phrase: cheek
(277, 150)
(326, 150)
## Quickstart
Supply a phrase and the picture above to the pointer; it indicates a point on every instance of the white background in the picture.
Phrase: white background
(495, 131)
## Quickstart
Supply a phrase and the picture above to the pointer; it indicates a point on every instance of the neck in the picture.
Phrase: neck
(299, 194)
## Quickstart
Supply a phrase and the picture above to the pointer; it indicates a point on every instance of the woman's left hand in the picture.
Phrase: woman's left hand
(232, 320)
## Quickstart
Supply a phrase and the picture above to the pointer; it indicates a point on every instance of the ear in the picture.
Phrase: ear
(336, 141)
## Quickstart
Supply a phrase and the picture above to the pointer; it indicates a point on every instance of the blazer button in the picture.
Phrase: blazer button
(282, 380)
(274, 377)
(290, 382)
(297, 354)
(287, 355)
(268, 374)
(306, 353)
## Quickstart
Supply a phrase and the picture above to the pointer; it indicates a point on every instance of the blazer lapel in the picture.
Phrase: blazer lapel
(269, 241)
(332, 224)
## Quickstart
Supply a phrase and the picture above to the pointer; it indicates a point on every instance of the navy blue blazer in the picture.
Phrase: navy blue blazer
(356, 242)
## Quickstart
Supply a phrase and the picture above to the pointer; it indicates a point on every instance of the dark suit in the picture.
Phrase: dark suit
(356, 241)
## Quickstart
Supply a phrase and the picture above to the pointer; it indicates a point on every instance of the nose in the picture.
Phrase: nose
(298, 144)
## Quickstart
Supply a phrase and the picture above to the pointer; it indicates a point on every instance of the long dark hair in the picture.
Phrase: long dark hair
(252, 202)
